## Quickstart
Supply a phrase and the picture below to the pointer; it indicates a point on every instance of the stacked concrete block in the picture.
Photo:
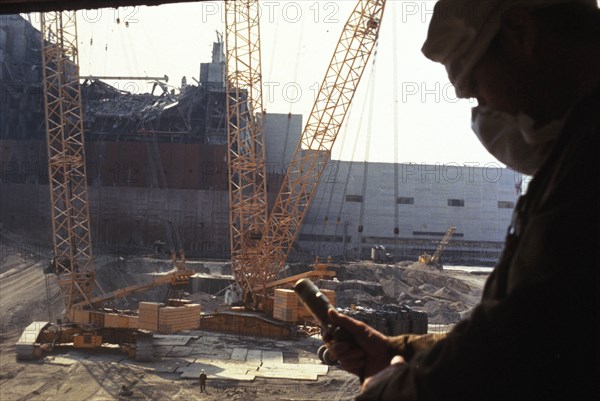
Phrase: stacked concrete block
(78, 316)
(285, 305)
(111, 320)
(148, 315)
(120, 321)
(172, 319)
(130, 322)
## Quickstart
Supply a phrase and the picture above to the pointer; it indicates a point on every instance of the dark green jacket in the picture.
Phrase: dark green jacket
(534, 336)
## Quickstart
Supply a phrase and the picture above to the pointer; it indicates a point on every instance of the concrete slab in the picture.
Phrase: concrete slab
(170, 365)
(107, 358)
(61, 361)
(207, 339)
(254, 356)
(308, 361)
(272, 357)
(239, 354)
(180, 352)
(162, 350)
(202, 351)
(220, 370)
(165, 365)
(223, 354)
(292, 371)
(162, 339)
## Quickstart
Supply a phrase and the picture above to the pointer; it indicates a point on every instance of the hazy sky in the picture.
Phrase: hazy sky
(413, 107)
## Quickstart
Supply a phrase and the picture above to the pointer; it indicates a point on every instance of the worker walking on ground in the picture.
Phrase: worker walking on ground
(202, 379)
(534, 68)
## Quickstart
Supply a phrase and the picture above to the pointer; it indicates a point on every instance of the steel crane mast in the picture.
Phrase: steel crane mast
(245, 131)
(72, 261)
(66, 157)
(335, 95)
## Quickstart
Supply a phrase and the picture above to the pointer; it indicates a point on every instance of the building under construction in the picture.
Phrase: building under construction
(405, 207)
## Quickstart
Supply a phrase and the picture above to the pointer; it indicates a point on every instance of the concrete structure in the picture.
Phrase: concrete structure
(408, 208)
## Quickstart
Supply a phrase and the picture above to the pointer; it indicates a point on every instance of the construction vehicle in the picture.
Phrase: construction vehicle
(379, 254)
(260, 244)
(437, 255)
(85, 324)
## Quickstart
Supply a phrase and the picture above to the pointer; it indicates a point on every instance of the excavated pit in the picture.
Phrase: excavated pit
(376, 291)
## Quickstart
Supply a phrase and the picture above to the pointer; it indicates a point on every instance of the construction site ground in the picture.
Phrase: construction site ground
(238, 367)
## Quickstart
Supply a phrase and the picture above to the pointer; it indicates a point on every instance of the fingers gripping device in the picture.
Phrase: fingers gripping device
(318, 304)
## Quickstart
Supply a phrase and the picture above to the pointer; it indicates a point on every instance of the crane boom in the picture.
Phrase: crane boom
(245, 132)
(176, 277)
(66, 157)
(335, 95)
(442, 245)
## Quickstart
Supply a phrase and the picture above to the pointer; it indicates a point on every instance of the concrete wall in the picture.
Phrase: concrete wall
(282, 132)
(132, 216)
(21, 93)
(354, 196)
(127, 220)
(126, 214)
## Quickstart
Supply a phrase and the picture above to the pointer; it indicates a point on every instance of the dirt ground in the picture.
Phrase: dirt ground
(101, 380)
(447, 296)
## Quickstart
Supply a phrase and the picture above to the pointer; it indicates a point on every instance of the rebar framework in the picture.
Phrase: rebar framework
(322, 127)
(245, 132)
(66, 157)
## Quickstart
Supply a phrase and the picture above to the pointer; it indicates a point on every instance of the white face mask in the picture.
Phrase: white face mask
(513, 140)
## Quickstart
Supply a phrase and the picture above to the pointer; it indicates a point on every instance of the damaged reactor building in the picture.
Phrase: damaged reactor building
(407, 208)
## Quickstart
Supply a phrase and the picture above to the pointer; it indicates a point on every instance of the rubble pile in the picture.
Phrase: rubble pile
(107, 109)
(390, 319)
(445, 296)
(371, 288)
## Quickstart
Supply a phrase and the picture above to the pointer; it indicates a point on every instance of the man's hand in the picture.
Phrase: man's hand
(366, 354)
(385, 374)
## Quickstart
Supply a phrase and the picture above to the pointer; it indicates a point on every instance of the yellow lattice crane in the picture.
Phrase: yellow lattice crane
(258, 256)
(245, 133)
(336, 93)
(72, 260)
